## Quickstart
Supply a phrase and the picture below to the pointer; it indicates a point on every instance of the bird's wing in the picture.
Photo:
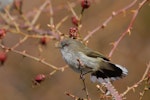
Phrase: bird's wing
(95, 54)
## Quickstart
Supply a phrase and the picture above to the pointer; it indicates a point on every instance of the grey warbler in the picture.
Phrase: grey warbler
(85, 60)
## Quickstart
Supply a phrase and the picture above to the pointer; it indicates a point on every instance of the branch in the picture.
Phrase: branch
(139, 82)
(23, 53)
(128, 30)
(39, 12)
(104, 24)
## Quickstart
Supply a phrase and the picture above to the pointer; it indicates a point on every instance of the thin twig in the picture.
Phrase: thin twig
(143, 92)
(139, 82)
(51, 13)
(12, 19)
(39, 12)
(20, 42)
(72, 10)
(33, 57)
(109, 19)
(37, 59)
(128, 30)
(61, 22)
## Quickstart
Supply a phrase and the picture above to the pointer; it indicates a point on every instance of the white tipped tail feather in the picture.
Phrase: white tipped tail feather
(124, 70)
(106, 75)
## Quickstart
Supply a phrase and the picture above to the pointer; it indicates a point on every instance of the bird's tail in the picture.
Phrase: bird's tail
(109, 72)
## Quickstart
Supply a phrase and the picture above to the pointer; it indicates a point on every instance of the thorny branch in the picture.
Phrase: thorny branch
(23, 53)
(104, 24)
(139, 82)
(128, 30)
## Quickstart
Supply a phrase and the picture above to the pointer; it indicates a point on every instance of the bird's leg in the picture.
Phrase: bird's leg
(81, 72)
(83, 78)
(84, 86)
(80, 68)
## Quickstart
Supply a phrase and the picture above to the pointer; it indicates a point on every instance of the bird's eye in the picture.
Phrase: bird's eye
(65, 45)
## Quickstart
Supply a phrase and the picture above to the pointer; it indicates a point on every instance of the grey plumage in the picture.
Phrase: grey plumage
(83, 59)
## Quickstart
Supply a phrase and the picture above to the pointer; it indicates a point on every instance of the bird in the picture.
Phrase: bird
(84, 60)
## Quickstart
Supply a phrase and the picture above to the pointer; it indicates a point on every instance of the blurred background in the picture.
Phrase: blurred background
(133, 52)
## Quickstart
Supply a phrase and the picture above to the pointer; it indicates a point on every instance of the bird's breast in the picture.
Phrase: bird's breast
(71, 59)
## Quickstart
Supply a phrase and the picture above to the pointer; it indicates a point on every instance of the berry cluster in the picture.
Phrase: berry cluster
(73, 32)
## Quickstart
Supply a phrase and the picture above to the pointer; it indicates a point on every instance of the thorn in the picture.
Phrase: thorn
(146, 89)
(112, 43)
(86, 42)
(141, 94)
(103, 26)
(98, 86)
(62, 69)
(24, 53)
(129, 31)
(135, 85)
(51, 26)
(113, 13)
(133, 11)
(133, 89)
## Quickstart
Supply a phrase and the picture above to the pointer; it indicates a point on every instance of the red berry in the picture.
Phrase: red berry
(73, 32)
(39, 78)
(43, 40)
(75, 21)
(85, 4)
(3, 57)
(2, 33)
